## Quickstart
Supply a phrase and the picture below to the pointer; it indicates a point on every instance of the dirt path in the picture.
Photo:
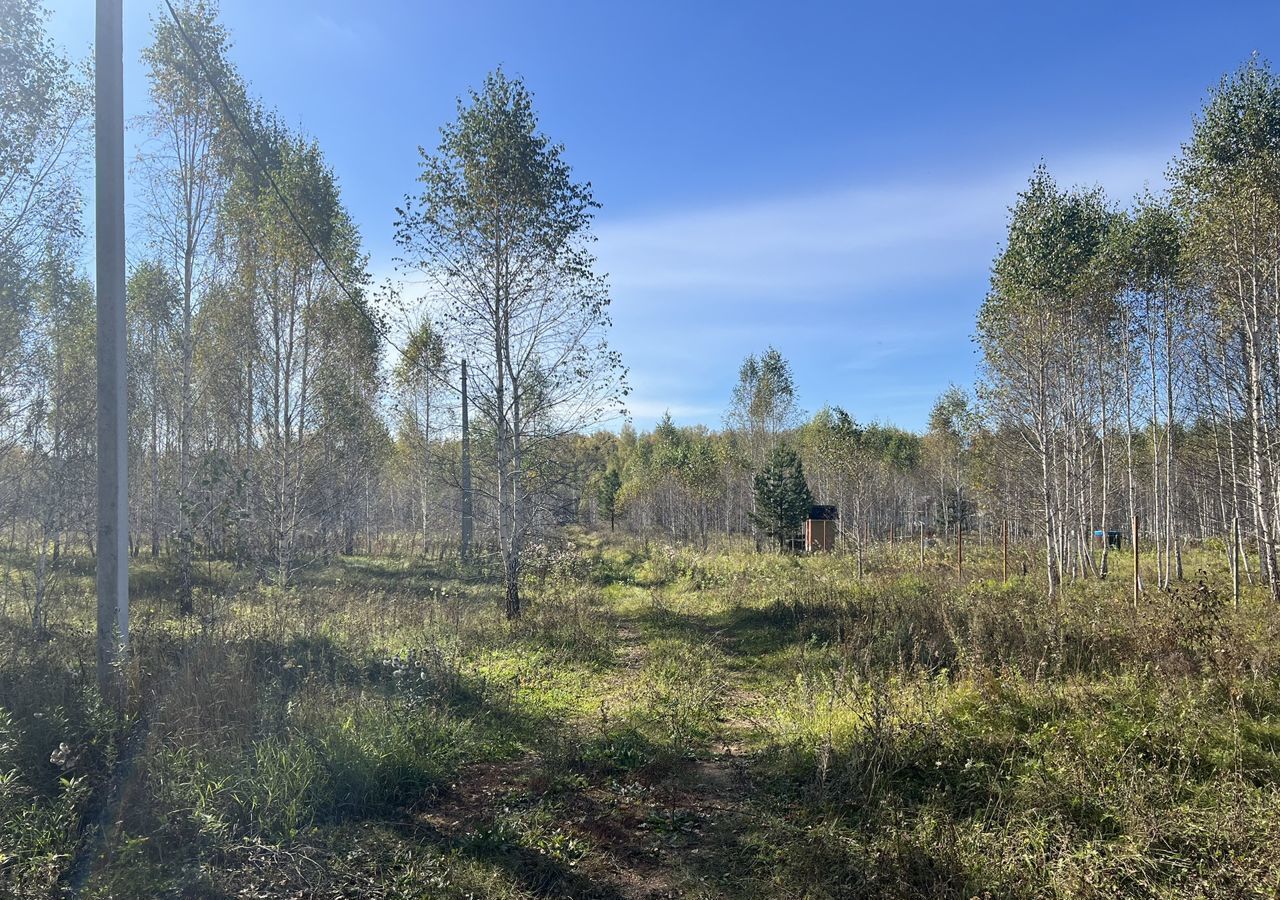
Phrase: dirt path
(649, 833)
(664, 848)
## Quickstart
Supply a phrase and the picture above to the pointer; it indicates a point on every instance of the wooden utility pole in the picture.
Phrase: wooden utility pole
(862, 537)
(1004, 550)
(113, 461)
(468, 511)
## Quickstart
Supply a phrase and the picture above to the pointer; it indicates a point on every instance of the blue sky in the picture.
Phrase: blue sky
(828, 178)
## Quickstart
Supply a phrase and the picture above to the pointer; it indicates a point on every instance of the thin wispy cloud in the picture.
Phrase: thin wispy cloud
(852, 237)
(321, 32)
(649, 410)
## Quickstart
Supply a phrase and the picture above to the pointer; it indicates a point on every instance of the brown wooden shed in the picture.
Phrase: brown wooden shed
(820, 529)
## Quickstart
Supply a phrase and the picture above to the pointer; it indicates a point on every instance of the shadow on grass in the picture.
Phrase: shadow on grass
(412, 574)
(540, 873)
(159, 581)
(745, 634)
(769, 854)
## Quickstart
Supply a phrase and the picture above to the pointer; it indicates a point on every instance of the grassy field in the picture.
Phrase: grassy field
(662, 723)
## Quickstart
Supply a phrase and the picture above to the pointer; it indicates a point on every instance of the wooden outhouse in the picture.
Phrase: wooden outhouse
(820, 529)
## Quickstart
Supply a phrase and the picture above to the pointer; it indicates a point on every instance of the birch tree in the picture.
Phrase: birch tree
(1227, 185)
(1029, 329)
(503, 229)
(185, 180)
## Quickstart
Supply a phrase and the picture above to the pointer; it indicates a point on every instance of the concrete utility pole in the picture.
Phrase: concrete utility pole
(113, 463)
(467, 510)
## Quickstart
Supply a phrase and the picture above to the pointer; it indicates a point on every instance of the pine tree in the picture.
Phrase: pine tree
(607, 494)
(782, 496)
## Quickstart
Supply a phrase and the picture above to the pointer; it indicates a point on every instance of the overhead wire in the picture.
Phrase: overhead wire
(265, 171)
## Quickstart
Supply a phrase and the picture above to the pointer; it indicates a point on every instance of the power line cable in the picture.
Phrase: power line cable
(247, 140)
